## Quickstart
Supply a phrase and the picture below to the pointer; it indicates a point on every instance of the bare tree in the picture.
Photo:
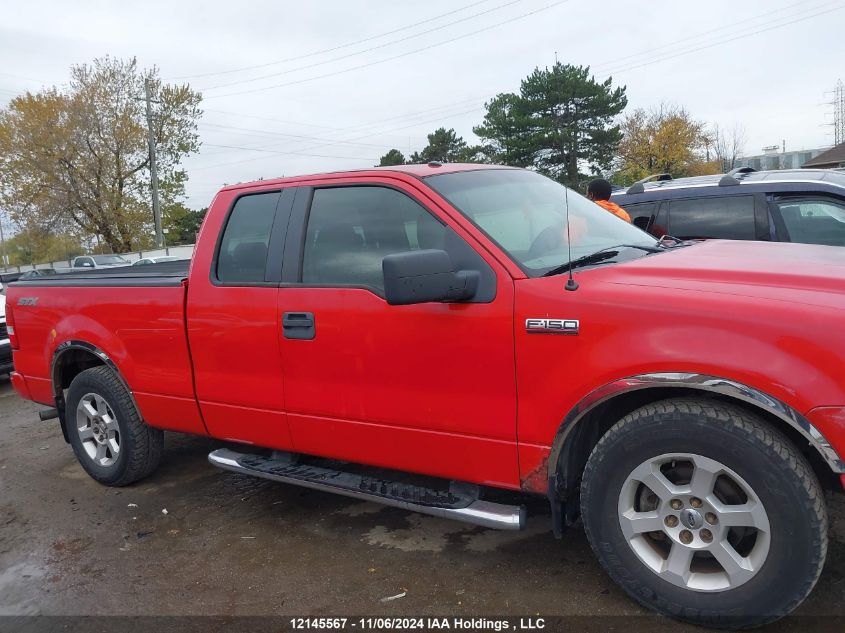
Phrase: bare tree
(728, 144)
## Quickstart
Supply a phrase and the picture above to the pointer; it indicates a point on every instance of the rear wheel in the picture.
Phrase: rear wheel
(111, 441)
(704, 512)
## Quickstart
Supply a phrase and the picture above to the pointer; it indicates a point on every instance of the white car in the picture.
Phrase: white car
(155, 260)
(99, 261)
(5, 344)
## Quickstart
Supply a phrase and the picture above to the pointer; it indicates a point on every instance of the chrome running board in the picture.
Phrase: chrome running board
(460, 502)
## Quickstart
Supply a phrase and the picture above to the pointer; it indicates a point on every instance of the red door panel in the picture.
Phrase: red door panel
(428, 387)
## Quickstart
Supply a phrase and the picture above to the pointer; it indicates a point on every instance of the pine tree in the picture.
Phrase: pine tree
(561, 121)
(393, 157)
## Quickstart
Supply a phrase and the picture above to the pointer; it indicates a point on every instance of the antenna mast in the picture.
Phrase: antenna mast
(571, 284)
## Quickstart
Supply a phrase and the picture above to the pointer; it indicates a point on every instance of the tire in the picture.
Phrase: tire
(780, 549)
(108, 436)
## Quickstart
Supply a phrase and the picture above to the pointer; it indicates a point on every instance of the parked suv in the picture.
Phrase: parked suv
(805, 205)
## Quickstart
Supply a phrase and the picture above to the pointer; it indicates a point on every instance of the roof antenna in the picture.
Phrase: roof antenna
(571, 284)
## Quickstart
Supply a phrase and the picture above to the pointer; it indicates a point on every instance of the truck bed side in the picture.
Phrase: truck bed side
(132, 319)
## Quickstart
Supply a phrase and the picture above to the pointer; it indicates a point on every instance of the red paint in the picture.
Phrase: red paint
(454, 390)
(19, 383)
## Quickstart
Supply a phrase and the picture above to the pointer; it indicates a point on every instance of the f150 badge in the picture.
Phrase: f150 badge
(552, 326)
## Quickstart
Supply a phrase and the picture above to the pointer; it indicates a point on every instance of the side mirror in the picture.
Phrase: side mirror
(423, 276)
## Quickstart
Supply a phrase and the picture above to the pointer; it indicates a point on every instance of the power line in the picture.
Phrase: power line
(388, 59)
(305, 149)
(406, 116)
(281, 153)
(717, 42)
(265, 118)
(334, 48)
(361, 52)
(272, 133)
(689, 38)
(712, 43)
(662, 57)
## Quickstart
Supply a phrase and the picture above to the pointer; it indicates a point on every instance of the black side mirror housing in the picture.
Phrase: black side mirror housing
(425, 276)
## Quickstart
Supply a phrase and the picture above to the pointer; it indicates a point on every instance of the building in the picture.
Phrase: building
(772, 159)
(831, 159)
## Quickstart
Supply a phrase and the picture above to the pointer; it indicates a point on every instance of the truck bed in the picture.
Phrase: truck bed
(161, 274)
(134, 317)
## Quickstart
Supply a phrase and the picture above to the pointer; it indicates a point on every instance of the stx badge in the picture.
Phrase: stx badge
(552, 326)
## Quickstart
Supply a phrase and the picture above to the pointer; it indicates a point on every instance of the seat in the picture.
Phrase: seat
(332, 259)
(247, 262)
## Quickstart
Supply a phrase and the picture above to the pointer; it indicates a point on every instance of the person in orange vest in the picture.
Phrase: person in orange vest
(599, 192)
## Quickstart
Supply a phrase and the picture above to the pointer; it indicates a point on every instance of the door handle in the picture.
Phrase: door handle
(298, 325)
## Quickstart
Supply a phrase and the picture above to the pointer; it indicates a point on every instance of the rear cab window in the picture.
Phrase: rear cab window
(243, 250)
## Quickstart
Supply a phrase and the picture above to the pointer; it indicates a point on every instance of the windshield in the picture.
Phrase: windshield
(525, 214)
(109, 260)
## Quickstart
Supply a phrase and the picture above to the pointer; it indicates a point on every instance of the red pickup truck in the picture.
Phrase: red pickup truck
(418, 335)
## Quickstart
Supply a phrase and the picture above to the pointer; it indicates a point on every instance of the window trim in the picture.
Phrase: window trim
(275, 231)
(301, 214)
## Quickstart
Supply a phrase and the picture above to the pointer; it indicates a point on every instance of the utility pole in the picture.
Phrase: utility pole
(153, 170)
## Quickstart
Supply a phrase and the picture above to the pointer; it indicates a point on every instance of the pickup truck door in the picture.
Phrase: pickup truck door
(233, 331)
(427, 388)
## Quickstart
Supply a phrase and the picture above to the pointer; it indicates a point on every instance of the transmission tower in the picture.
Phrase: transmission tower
(839, 113)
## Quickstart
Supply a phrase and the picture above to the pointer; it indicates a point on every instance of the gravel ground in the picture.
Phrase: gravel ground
(194, 540)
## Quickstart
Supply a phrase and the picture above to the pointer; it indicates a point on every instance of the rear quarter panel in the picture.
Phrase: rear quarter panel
(141, 329)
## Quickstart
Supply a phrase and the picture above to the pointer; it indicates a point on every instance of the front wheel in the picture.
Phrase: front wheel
(111, 441)
(705, 513)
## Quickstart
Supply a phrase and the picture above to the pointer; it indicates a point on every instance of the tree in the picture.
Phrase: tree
(182, 223)
(504, 131)
(664, 140)
(561, 120)
(444, 146)
(39, 245)
(393, 157)
(728, 145)
(79, 158)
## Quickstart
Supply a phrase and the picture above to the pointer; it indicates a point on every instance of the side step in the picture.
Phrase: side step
(460, 502)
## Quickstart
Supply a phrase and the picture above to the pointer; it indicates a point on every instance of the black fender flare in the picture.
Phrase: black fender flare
(55, 378)
(689, 381)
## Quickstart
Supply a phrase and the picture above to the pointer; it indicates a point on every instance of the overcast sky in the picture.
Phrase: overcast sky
(299, 87)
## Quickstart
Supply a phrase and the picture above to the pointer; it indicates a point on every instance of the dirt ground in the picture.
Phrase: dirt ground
(194, 540)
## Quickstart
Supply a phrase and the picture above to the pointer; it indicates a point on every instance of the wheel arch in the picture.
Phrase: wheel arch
(590, 419)
(71, 358)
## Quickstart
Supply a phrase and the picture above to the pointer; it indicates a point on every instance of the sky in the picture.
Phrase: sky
(301, 87)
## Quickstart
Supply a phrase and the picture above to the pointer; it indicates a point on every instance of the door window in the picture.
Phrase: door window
(242, 257)
(814, 221)
(642, 214)
(729, 218)
(351, 229)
